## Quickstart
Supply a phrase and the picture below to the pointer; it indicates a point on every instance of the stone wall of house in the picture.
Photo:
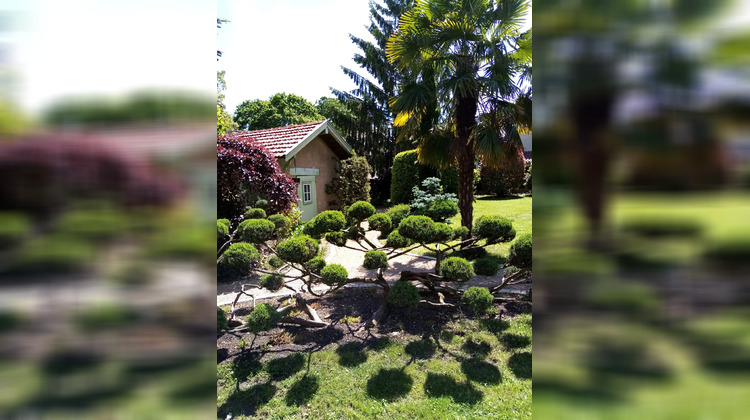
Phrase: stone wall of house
(318, 155)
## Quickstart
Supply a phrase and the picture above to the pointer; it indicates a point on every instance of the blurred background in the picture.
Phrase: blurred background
(108, 192)
(642, 198)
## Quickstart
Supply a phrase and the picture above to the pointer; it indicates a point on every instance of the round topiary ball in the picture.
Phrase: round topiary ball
(298, 250)
(361, 210)
(262, 318)
(395, 240)
(443, 232)
(440, 210)
(334, 274)
(329, 221)
(255, 231)
(460, 232)
(398, 213)
(255, 214)
(403, 293)
(380, 222)
(222, 228)
(456, 269)
(375, 259)
(486, 266)
(272, 282)
(418, 228)
(519, 254)
(336, 238)
(494, 229)
(316, 264)
(261, 203)
(275, 262)
(240, 256)
(477, 298)
(221, 320)
(283, 226)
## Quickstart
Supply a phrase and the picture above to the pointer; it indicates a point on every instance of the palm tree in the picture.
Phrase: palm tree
(467, 69)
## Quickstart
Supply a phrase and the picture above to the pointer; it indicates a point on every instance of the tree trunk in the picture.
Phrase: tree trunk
(463, 149)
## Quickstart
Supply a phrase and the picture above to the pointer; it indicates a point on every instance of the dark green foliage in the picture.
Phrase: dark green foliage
(298, 250)
(315, 264)
(395, 240)
(477, 298)
(733, 252)
(442, 232)
(326, 221)
(487, 266)
(662, 227)
(519, 254)
(380, 188)
(95, 223)
(221, 320)
(361, 210)
(279, 110)
(13, 227)
(354, 232)
(471, 253)
(418, 228)
(255, 231)
(262, 318)
(272, 282)
(460, 232)
(441, 210)
(527, 182)
(351, 183)
(334, 274)
(405, 176)
(283, 225)
(403, 293)
(449, 179)
(255, 213)
(506, 180)
(240, 256)
(375, 259)
(336, 238)
(54, 253)
(261, 203)
(222, 228)
(494, 229)
(456, 269)
(104, 316)
(398, 213)
(275, 262)
(380, 222)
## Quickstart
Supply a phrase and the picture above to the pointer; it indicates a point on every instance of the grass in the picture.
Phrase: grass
(467, 369)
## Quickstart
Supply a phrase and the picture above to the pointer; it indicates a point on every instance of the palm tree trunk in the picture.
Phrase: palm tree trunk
(466, 111)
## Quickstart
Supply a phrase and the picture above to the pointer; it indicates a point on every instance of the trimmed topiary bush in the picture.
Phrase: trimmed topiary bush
(456, 269)
(361, 210)
(494, 229)
(334, 274)
(460, 232)
(240, 256)
(283, 225)
(486, 266)
(442, 232)
(441, 210)
(403, 293)
(298, 250)
(222, 228)
(336, 238)
(418, 228)
(405, 176)
(255, 213)
(380, 222)
(262, 318)
(395, 240)
(327, 221)
(398, 213)
(316, 264)
(478, 299)
(255, 231)
(375, 259)
(351, 183)
(272, 282)
(221, 321)
(261, 204)
(275, 262)
(732, 252)
(519, 254)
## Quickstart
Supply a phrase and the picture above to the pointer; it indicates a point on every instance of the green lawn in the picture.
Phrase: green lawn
(468, 369)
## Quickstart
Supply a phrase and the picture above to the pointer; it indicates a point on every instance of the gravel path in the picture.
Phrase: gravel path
(352, 261)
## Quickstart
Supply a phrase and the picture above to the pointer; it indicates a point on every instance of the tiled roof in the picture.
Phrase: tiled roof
(281, 140)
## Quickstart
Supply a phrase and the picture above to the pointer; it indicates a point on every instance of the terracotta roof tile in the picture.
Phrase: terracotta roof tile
(280, 140)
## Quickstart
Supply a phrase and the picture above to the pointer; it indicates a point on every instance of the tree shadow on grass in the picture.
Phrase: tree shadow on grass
(245, 366)
(477, 370)
(379, 344)
(442, 385)
(303, 390)
(479, 349)
(495, 326)
(514, 341)
(351, 354)
(284, 367)
(421, 349)
(520, 365)
(389, 384)
(247, 402)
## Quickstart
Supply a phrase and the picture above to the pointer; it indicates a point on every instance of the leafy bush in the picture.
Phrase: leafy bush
(240, 256)
(380, 222)
(221, 320)
(246, 170)
(334, 274)
(494, 229)
(375, 259)
(395, 240)
(326, 221)
(449, 179)
(477, 298)
(105, 316)
(380, 188)
(405, 176)
(442, 232)
(336, 238)
(351, 183)
(52, 254)
(398, 213)
(519, 254)
(275, 262)
(255, 214)
(486, 266)
(361, 210)
(460, 232)
(471, 253)
(298, 250)
(261, 204)
(13, 227)
(98, 223)
(664, 227)
(272, 282)
(255, 231)
(283, 226)
(222, 228)
(733, 252)
(456, 269)
(403, 293)
(527, 182)
(440, 210)
(418, 228)
(506, 180)
(315, 264)
(430, 193)
(262, 318)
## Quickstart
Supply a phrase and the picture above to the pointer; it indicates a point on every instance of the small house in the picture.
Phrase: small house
(309, 153)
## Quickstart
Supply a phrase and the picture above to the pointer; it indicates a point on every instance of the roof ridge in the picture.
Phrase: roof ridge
(317, 123)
